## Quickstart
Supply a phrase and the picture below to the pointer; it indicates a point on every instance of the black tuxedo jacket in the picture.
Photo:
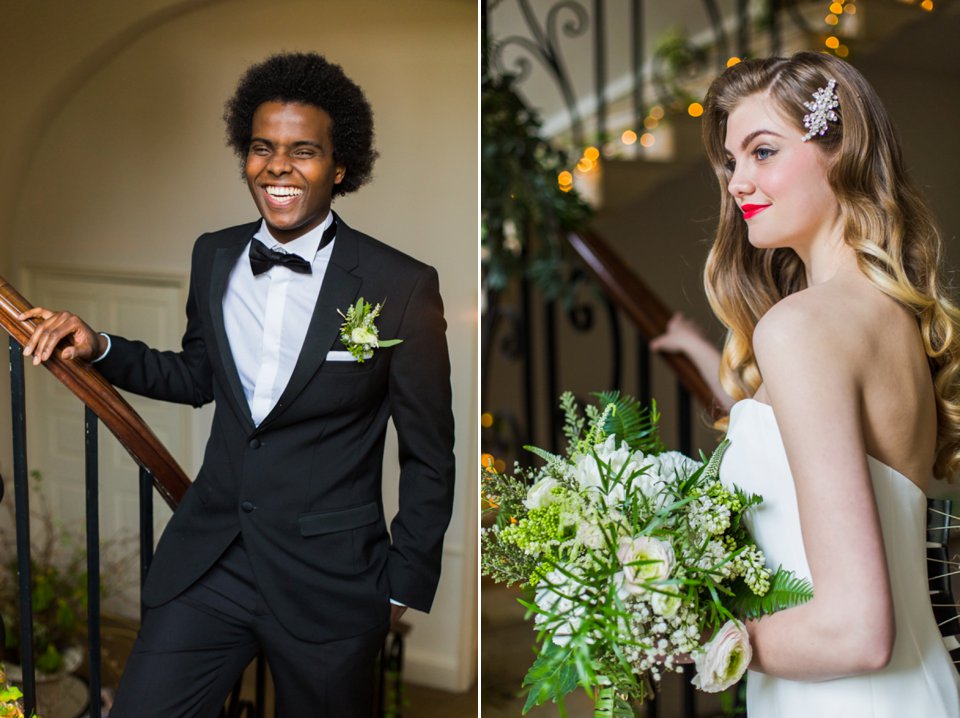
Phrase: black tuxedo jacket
(304, 487)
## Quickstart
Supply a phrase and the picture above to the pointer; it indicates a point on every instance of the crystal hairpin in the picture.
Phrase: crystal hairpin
(821, 110)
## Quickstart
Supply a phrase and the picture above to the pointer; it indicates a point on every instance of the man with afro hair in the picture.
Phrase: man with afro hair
(308, 335)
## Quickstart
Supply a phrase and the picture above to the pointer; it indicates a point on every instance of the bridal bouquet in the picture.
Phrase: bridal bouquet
(634, 553)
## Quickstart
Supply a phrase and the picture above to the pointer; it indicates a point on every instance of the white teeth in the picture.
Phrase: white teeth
(283, 191)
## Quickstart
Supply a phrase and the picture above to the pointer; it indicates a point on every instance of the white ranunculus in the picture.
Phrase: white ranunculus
(644, 548)
(360, 335)
(541, 493)
(724, 659)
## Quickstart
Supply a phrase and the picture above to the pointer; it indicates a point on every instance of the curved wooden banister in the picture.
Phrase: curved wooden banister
(646, 311)
(97, 393)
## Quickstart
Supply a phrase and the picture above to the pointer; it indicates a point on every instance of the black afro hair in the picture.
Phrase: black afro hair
(308, 78)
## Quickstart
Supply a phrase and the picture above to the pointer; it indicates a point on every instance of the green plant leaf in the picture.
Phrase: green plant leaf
(631, 422)
(786, 590)
(552, 676)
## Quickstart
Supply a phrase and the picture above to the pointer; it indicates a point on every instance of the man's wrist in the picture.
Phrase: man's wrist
(104, 344)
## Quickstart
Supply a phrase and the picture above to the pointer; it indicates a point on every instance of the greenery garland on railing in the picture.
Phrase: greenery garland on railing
(524, 213)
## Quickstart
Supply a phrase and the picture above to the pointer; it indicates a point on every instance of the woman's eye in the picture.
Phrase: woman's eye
(730, 165)
(762, 153)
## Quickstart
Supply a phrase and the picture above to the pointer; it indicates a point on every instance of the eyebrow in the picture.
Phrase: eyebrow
(298, 143)
(752, 136)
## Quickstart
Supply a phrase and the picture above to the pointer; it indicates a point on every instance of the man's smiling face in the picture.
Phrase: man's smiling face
(290, 168)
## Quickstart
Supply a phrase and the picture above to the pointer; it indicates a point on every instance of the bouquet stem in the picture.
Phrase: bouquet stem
(603, 700)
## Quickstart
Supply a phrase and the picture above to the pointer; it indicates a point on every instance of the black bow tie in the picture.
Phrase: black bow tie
(262, 257)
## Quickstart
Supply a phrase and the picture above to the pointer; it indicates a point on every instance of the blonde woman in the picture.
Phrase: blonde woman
(842, 357)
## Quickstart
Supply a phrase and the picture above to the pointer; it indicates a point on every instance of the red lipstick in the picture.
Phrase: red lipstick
(750, 210)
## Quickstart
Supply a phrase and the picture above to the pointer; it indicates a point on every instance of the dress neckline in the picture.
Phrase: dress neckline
(751, 400)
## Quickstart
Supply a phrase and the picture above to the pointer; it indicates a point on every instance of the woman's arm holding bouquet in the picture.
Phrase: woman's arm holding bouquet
(809, 359)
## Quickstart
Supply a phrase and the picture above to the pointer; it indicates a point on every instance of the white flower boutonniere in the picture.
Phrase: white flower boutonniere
(358, 332)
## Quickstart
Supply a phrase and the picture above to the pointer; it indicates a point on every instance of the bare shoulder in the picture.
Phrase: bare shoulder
(805, 323)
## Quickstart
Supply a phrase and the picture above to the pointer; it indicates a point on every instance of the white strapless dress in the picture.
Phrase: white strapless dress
(920, 680)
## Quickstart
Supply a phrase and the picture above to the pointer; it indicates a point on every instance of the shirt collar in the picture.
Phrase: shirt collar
(305, 246)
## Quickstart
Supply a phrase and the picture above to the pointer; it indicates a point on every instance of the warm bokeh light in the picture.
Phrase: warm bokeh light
(565, 178)
(628, 137)
(647, 140)
(656, 112)
(585, 164)
(831, 19)
(695, 109)
(843, 51)
(927, 4)
(732, 61)
(486, 420)
(486, 460)
(836, 8)
(500, 466)
(850, 9)
(592, 154)
(832, 42)
(650, 123)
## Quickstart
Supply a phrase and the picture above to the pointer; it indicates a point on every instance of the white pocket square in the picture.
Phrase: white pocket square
(340, 356)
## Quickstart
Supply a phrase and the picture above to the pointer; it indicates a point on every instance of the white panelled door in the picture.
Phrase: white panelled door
(148, 308)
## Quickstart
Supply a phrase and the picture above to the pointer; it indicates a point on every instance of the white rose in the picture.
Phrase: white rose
(363, 336)
(541, 494)
(657, 554)
(724, 659)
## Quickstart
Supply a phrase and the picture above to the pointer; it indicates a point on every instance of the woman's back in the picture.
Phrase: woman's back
(878, 340)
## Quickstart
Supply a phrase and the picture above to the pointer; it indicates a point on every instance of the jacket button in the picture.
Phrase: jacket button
(254, 443)
(247, 506)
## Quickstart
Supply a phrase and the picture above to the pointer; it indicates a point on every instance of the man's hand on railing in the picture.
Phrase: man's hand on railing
(81, 342)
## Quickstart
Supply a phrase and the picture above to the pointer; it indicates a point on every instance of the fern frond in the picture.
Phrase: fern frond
(631, 422)
(786, 590)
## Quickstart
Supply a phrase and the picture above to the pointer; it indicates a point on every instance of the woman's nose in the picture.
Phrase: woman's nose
(740, 185)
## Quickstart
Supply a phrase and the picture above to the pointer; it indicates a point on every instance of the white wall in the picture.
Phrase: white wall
(118, 162)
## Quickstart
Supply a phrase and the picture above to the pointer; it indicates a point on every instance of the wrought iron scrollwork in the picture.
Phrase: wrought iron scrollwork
(544, 46)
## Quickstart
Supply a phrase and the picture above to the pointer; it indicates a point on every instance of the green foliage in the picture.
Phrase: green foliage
(523, 211)
(58, 579)
(786, 590)
(552, 675)
(632, 422)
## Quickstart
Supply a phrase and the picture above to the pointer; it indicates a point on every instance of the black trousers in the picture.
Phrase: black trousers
(191, 651)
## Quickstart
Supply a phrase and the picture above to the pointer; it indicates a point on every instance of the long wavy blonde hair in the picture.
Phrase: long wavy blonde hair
(885, 221)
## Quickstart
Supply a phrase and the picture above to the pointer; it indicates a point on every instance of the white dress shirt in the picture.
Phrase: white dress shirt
(266, 316)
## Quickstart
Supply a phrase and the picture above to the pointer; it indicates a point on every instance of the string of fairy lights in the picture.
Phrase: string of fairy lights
(839, 20)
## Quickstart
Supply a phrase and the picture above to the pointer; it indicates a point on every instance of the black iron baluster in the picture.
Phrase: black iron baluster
(146, 524)
(93, 558)
(21, 498)
(526, 316)
(643, 370)
(743, 28)
(600, 70)
(636, 26)
(776, 39)
(552, 366)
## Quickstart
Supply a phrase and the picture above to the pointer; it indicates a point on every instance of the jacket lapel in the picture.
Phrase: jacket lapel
(338, 291)
(223, 262)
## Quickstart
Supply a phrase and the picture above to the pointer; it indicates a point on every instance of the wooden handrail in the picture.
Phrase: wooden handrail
(96, 392)
(644, 308)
